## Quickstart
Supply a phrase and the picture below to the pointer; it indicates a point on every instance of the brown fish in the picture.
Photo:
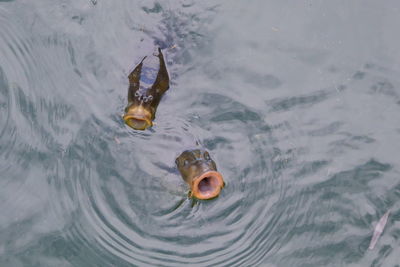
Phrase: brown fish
(147, 84)
(200, 172)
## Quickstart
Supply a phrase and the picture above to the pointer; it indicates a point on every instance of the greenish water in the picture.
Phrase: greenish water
(297, 102)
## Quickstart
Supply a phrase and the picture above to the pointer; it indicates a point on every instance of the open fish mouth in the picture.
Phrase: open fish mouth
(138, 118)
(208, 185)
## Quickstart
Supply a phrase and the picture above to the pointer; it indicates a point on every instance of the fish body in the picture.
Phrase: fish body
(147, 84)
(199, 171)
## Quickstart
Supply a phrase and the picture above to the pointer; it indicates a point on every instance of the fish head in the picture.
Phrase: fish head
(200, 172)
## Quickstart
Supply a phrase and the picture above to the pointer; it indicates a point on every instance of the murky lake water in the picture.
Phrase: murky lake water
(298, 104)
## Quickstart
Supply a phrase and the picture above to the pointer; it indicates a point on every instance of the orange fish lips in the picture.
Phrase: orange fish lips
(208, 185)
(138, 118)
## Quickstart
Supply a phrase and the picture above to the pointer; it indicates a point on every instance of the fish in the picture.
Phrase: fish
(199, 171)
(379, 227)
(147, 84)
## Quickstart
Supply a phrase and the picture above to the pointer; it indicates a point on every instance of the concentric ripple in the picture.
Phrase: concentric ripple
(134, 205)
(16, 110)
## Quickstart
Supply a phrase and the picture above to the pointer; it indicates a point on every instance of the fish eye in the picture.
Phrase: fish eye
(186, 162)
(206, 155)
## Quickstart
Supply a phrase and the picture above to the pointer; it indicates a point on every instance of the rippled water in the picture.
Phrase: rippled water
(298, 104)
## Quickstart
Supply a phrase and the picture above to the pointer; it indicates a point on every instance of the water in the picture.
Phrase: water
(297, 103)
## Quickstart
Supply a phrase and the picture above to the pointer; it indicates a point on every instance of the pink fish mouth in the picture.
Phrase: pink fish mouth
(208, 185)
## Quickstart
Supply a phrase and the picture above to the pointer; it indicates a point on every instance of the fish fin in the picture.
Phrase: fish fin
(135, 74)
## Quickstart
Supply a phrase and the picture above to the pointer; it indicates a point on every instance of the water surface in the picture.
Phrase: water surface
(298, 104)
